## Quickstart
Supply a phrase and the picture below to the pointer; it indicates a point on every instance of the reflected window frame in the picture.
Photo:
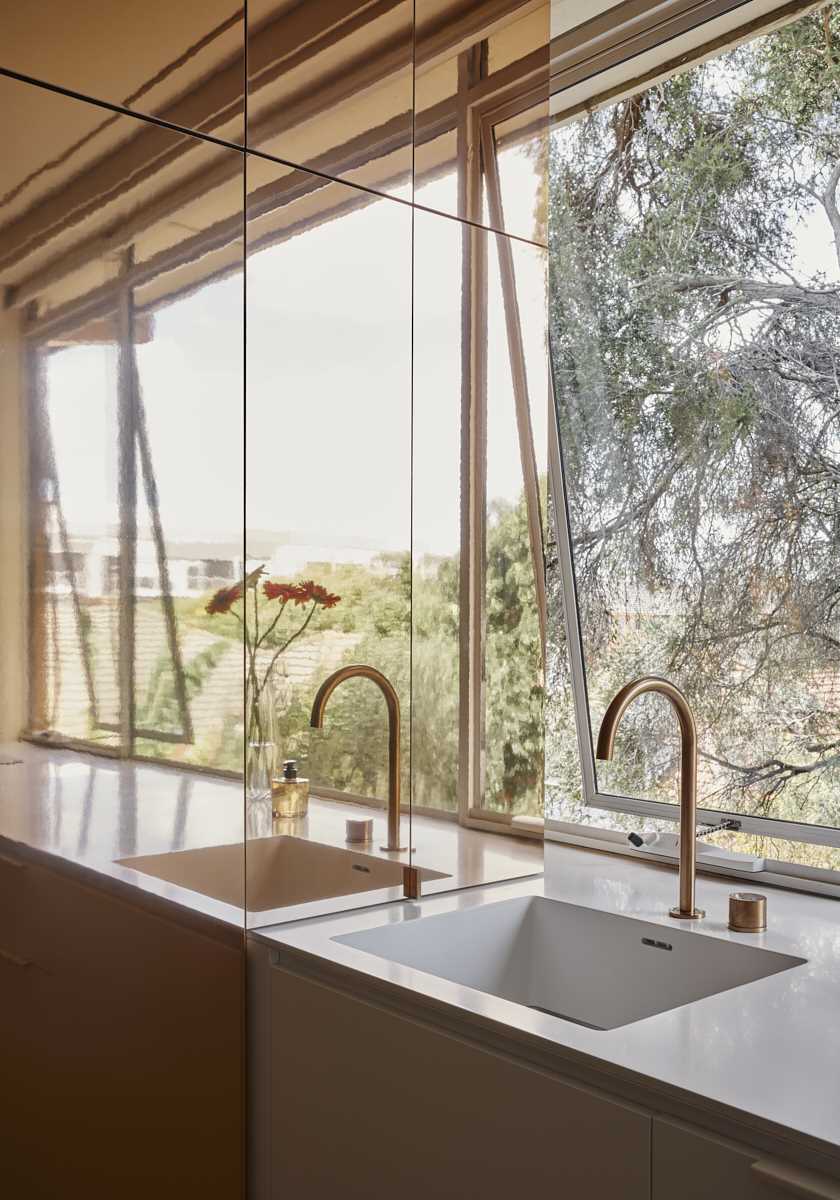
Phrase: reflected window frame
(114, 303)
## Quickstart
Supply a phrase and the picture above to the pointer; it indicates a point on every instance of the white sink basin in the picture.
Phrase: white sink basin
(281, 871)
(579, 964)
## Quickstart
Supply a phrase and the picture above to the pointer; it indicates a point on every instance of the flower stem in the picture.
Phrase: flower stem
(289, 641)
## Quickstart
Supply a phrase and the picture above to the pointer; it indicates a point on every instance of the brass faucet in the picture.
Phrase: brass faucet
(392, 700)
(688, 774)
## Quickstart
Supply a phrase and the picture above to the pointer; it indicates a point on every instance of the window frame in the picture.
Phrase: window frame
(486, 101)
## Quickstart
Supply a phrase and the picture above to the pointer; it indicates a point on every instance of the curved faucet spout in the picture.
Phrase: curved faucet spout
(688, 773)
(316, 720)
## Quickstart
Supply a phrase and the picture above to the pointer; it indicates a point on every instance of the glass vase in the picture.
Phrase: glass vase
(261, 753)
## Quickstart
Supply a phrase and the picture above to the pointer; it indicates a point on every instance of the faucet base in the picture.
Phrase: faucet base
(679, 915)
(394, 849)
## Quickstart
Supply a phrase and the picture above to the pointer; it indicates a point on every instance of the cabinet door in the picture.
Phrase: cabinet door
(21, 985)
(369, 1103)
(692, 1165)
(131, 1057)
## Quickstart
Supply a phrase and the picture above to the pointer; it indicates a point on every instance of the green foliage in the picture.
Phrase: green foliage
(159, 709)
(514, 726)
(422, 663)
(407, 623)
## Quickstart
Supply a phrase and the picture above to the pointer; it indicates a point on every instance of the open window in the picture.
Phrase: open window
(695, 263)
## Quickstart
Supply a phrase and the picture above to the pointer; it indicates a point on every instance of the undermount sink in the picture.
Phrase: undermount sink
(281, 871)
(579, 964)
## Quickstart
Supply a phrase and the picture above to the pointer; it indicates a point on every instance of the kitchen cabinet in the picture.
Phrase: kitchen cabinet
(351, 1095)
(122, 1044)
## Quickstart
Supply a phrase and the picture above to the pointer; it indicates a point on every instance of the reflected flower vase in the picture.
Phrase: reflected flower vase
(261, 746)
(265, 641)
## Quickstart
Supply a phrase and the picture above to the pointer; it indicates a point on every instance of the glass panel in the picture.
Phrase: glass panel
(74, 602)
(522, 156)
(125, 299)
(498, 63)
(448, 374)
(188, 664)
(564, 799)
(181, 62)
(78, 197)
(334, 92)
(513, 670)
(328, 526)
(695, 357)
(436, 610)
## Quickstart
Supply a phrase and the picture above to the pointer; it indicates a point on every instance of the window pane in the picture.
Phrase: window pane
(696, 345)
(188, 665)
(329, 460)
(513, 670)
(75, 634)
(511, 673)
(436, 533)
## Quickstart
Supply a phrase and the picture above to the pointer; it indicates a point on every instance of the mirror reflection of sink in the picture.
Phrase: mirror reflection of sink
(281, 871)
(582, 965)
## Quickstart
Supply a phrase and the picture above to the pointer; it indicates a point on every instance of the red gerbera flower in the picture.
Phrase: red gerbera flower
(304, 592)
(321, 596)
(224, 599)
(279, 591)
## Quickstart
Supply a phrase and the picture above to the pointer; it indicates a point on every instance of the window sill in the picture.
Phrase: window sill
(791, 876)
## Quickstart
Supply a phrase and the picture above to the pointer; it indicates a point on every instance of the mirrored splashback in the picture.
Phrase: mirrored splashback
(182, 63)
(284, 395)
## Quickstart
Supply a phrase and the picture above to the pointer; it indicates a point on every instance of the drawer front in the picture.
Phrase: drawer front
(689, 1164)
(365, 1102)
(17, 916)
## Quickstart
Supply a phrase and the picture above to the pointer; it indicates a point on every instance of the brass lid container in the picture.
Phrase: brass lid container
(747, 912)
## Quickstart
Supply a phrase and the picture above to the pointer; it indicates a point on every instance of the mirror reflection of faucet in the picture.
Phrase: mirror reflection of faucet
(316, 720)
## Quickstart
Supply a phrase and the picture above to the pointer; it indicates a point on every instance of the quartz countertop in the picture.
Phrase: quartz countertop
(764, 1056)
(90, 811)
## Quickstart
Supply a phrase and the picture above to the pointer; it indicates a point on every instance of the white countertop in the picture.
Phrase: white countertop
(90, 811)
(766, 1054)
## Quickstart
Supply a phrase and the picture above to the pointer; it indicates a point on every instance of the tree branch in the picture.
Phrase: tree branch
(729, 286)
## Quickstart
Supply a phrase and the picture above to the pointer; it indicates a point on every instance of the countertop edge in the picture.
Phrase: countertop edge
(164, 908)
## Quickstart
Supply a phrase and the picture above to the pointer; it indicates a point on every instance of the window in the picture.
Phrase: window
(695, 334)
